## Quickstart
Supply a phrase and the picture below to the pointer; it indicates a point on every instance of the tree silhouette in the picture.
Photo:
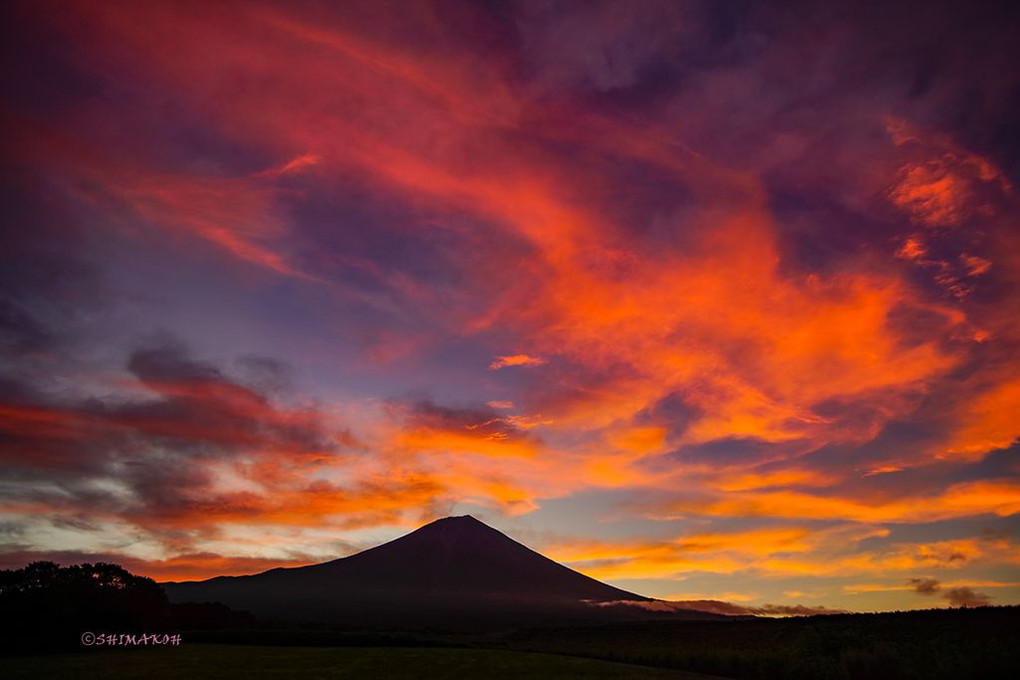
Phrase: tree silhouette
(48, 606)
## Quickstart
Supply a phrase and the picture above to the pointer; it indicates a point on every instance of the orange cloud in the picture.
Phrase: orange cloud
(723, 553)
(786, 551)
(999, 497)
(912, 249)
(933, 195)
(989, 422)
(976, 266)
(515, 360)
(944, 188)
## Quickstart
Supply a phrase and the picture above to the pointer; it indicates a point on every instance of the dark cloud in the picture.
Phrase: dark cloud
(965, 597)
(925, 586)
(168, 359)
(957, 597)
(601, 46)
(77, 522)
(200, 405)
(674, 412)
(147, 458)
(735, 451)
(20, 332)
(479, 422)
(266, 373)
(194, 408)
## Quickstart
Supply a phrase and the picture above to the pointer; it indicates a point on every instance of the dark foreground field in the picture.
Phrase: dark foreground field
(919, 645)
(201, 661)
(936, 644)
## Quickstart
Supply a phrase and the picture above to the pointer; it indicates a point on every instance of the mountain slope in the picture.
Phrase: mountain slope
(454, 570)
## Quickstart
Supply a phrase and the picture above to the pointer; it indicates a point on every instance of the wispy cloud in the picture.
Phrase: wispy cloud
(515, 360)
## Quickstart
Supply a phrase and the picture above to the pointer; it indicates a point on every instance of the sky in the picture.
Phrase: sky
(706, 300)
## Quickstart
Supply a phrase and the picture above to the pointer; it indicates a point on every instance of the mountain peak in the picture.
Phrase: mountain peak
(456, 520)
(457, 533)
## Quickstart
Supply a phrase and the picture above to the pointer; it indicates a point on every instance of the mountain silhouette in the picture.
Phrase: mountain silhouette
(454, 572)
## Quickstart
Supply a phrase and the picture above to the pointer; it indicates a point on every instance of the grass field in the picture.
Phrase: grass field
(200, 661)
(943, 644)
(919, 645)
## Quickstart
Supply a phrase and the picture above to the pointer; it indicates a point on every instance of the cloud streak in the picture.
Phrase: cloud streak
(725, 608)
(959, 596)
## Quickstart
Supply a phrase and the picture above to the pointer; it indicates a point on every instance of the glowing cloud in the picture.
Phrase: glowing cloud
(515, 360)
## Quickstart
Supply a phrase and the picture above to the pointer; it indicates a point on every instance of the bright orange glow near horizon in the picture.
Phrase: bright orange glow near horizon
(708, 301)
